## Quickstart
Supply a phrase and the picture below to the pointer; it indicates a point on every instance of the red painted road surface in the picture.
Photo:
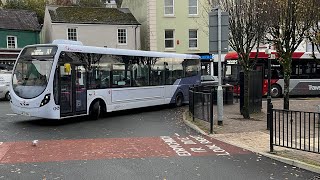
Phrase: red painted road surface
(113, 148)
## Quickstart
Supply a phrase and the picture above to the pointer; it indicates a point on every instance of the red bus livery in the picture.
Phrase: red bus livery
(305, 76)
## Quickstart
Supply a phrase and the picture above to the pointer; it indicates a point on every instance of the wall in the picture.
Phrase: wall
(23, 37)
(182, 22)
(98, 34)
(139, 10)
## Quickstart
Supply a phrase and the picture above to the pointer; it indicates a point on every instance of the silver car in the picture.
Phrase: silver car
(4, 85)
(209, 80)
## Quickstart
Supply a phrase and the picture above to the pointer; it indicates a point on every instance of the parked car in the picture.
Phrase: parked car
(5, 78)
(209, 80)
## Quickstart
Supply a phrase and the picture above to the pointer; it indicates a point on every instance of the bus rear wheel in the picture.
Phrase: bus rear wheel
(95, 110)
(275, 91)
(179, 100)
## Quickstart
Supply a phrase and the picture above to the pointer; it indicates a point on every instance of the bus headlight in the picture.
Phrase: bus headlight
(45, 100)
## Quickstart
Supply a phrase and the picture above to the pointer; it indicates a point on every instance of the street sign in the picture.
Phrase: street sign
(207, 57)
(213, 32)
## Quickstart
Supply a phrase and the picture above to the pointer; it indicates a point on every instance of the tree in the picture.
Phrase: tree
(314, 31)
(247, 28)
(289, 21)
(37, 6)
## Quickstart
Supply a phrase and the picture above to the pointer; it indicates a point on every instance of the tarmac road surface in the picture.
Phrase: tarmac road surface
(139, 144)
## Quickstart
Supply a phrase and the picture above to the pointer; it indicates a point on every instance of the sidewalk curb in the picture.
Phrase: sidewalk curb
(292, 162)
(192, 126)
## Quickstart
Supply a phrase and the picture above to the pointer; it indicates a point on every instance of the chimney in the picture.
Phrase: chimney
(110, 3)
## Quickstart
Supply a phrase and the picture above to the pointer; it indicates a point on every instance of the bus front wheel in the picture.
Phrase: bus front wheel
(7, 97)
(275, 91)
(179, 100)
(95, 110)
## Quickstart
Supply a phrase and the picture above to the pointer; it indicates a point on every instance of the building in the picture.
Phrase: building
(18, 28)
(174, 26)
(102, 27)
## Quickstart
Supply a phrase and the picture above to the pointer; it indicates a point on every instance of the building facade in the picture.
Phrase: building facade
(18, 28)
(172, 25)
(102, 27)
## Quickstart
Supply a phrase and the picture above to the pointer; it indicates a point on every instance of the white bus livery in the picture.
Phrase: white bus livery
(61, 80)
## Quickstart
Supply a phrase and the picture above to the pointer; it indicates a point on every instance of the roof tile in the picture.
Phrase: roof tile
(19, 20)
(92, 15)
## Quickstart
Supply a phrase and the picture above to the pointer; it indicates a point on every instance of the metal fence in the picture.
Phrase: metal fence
(295, 129)
(201, 104)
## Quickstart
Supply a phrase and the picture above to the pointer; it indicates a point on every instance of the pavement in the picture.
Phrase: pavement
(253, 135)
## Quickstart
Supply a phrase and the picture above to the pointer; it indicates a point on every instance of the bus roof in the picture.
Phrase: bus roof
(263, 55)
(103, 50)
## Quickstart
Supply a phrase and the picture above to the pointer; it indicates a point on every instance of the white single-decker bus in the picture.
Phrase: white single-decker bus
(57, 81)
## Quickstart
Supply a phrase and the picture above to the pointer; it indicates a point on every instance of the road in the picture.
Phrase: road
(139, 144)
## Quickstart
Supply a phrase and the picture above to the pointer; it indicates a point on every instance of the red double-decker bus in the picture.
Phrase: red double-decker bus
(305, 76)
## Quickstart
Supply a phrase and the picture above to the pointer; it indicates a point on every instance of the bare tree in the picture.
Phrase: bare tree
(288, 20)
(314, 31)
(246, 32)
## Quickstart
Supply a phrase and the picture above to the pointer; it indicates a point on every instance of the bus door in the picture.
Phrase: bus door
(73, 90)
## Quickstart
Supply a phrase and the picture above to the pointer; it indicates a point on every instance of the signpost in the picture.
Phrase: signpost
(218, 43)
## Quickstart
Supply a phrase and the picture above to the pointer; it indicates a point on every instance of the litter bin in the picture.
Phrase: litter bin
(228, 94)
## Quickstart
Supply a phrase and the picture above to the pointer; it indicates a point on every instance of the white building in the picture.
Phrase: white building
(103, 27)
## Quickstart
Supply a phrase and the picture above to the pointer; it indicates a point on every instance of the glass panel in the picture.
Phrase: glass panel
(193, 43)
(169, 34)
(157, 72)
(192, 2)
(66, 91)
(192, 33)
(140, 71)
(191, 67)
(168, 10)
(121, 76)
(168, 2)
(169, 44)
(193, 10)
(81, 91)
(31, 76)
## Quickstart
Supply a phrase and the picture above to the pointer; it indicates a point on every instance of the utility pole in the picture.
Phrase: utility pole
(220, 90)
(218, 43)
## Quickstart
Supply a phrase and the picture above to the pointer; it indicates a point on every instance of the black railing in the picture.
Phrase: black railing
(201, 104)
(295, 129)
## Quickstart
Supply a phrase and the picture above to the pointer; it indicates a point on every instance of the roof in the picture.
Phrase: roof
(92, 15)
(127, 52)
(17, 19)
(263, 55)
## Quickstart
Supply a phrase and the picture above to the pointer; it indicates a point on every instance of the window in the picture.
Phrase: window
(169, 7)
(193, 7)
(122, 36)
(140, 71)
(191, 67)
(72, 34)
(169, 38)
(193, 38)
(11, 42)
